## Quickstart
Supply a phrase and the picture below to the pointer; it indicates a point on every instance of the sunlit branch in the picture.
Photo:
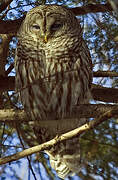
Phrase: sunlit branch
(76, 132)
(84, 110)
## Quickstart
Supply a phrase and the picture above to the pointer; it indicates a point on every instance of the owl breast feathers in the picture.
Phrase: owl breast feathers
(53, 73)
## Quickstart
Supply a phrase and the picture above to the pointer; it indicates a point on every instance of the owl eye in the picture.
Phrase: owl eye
(54, 27)
(36, 27)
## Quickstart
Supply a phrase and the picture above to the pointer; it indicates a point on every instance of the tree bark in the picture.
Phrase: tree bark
(105, 74)
(4, 49)
(76, 132)
(92, 8)
(4, 4)
(85, 110)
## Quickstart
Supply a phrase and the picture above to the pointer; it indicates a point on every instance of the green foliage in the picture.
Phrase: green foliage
(99, 149)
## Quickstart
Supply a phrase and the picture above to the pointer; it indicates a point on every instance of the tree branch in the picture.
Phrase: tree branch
(105, 74)
(98, 92)
(85, 110)
(11, 26)
(4, 48)
(63, 137)
(7, 83)
(104, 94)
(114, 5)
(9, 69)
(92, 8)
(4, 4)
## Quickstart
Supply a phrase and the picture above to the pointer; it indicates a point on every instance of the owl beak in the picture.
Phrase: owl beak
(45, 38)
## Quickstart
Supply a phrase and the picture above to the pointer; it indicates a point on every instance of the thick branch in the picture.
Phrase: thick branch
(104, 94)
(4, 48)
(4, 4)
(13, 25)
(98, 92)
(63, 137)
(92, 8)
(7, 83)
(86, 110)
(10, 26)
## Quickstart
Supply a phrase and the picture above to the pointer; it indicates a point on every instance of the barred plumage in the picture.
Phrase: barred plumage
(53, 73)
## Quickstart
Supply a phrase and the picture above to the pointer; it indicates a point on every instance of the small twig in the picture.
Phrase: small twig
(10, 146)
(28, 158)
(9, 69)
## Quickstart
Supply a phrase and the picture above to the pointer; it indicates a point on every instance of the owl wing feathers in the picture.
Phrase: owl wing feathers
(54, 73)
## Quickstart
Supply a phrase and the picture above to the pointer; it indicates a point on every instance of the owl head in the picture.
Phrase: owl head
(47, 22)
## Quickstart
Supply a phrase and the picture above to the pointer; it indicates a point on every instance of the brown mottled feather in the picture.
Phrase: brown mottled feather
(52, 76)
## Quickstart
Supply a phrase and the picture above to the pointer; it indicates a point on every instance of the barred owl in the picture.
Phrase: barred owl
(53, 74)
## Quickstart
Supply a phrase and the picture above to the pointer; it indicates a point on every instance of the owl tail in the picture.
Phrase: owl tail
(65, 158)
